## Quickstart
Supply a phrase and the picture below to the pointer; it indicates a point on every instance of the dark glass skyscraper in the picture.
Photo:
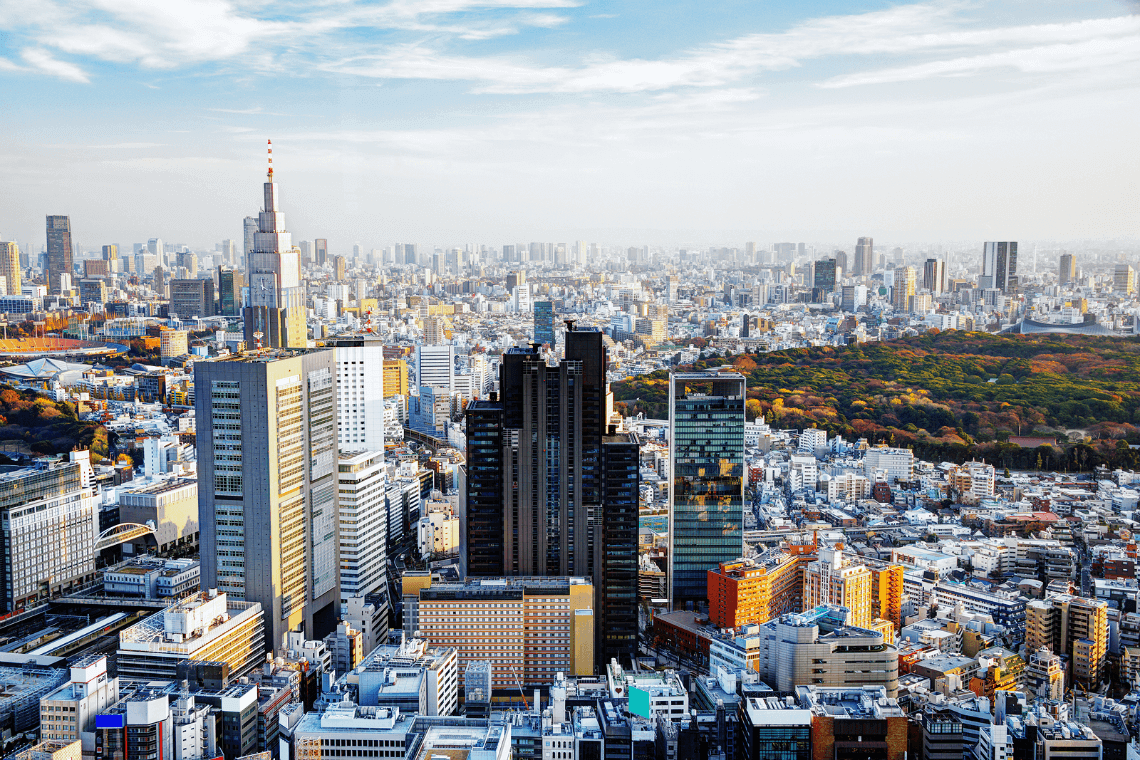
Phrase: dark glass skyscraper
(550, 489)
(60, 259)
(825, 275)
(544, 323)
(706, 479)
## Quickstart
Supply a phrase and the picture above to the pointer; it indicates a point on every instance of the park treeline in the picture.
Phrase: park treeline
(45, 426)
(950, 396)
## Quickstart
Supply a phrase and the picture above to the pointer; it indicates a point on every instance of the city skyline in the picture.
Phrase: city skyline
(552, 118)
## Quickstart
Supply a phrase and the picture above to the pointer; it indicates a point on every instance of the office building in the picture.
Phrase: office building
(435, 366)
(190, 299)
(934, 276)
(426, 679)
(833, 580)
(1067, 269)
(1006, 609)
(1124, 279)
(551, 490)
(360, 389)
(204, 627)
(825, 275)
(152, 578)
(51, 521)
(92, 291)
(1074, 628)
(853, 297)
(60, 260)
(999, 267)
(395, 377)
(864, 257)
(230, 284)
(339, 268)
(173, 343)
(267, 496)
(321, 251)
(275, 316)
(706, 479)
(544, 323)
(904, 288)
(755, 590)
(529, 629)
(170, 504)
(10, 268)
(68, 713)
(819, 648)
(363, 523)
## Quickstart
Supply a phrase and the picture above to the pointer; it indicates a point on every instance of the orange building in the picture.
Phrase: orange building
(747, 591)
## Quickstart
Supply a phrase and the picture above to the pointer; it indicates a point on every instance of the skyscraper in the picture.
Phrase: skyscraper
(275, 316)
(192, 298)
(825, 274)
(544, 323)
(230, 284)
(249, 237)
(999, 267)
(551, 490)
(321, 251)
(833, 580)
(934, 276)
(904, 288)
(267, 486)
(1067, 269)
(1123, 278)
(864, 257)
(435, 366)
(10, 268)
(706, 478)
(59, 255)
(360, 393)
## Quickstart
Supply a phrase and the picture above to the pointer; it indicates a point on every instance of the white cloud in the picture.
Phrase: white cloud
(42, 61)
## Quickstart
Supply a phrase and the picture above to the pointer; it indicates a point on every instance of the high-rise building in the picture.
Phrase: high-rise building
(482, 619)
(706, 479)
(435, 366)
(999, 267)
(825, 275)
(230, 284)
(756, 590)
(267, 494)
(363, 523)
(550, 489)
(340, 268)
(544, 323)
(249, 237)
(934, 276)
(904, 288)
(1067, 269)
(1124, 279)
(395, 377)
(60, 259)
(92, 291)
(360, 388)
(70, 711)
(321, 251)
(50, 523)
(864, 257)
(832, 580)
(275, 316)
(434, 331)
(192, 298)
(410, 253)
(10, 268)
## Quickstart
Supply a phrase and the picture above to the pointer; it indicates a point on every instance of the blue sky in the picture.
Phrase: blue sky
(451, 121)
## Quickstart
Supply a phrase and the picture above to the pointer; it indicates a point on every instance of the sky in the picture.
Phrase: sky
(445, 122)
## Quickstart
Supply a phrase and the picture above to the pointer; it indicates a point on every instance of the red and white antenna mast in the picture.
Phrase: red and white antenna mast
(270, 142)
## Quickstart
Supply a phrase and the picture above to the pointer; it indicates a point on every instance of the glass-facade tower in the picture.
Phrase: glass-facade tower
(544, 323)
(706, 479)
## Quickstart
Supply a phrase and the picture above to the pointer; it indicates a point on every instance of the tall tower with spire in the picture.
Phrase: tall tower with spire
(275, 314)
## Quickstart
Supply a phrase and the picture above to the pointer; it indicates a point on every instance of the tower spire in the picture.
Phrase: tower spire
(270, 142)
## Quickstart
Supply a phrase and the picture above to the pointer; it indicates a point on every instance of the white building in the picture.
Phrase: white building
(360, 394)
(51, 520)
(435, 366)
(848, 486)
(363, 523)
(895, 464)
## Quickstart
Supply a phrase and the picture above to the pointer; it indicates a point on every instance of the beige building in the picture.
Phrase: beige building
(10, 268)
(173, 343)
(529, 629)
(170, 505)
(1072, 626)
(206, 626)
(832, 580)
(53, 750)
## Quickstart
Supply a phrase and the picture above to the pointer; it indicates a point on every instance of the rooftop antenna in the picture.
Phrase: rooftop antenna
(270, 143)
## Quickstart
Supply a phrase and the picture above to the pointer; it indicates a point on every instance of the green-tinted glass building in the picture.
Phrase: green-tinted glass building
(706, 479)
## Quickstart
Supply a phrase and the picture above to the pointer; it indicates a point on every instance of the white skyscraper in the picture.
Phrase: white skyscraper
(363, 523)
(360, 393)
(275, 317)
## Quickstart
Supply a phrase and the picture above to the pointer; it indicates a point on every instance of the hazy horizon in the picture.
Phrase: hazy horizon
(622, 123)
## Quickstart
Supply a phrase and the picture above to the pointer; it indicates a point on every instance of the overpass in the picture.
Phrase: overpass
(431, 441)
(761, 536)
(115, 602)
